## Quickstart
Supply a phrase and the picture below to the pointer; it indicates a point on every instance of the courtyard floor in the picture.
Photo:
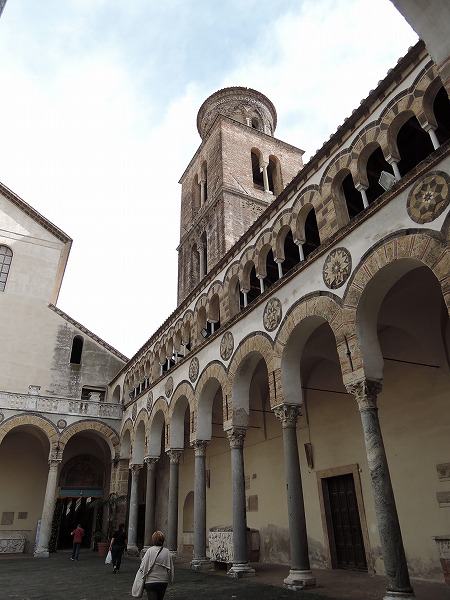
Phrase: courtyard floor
(58, 578)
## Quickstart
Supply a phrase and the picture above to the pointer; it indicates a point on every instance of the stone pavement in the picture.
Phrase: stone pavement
(23, 577)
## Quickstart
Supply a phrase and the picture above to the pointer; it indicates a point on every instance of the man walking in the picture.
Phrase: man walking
(78, 534)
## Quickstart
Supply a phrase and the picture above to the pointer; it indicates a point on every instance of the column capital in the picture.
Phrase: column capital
(151, 462)
(365, 392)
(135, 469)
(175, 455)
(200, 447)
(288, 414)
(54, 463)
(236, 437)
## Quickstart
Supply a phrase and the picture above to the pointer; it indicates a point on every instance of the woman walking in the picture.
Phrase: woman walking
(117, 547)
(158, 565)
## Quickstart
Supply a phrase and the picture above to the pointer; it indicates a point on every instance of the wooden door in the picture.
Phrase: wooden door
(346, 534)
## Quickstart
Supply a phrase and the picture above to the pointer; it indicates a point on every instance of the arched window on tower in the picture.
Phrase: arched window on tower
(196, 196)
(204, 184)
(274, 175)
(256, 123)
(258, 180)
(5, 264)
(77, 350)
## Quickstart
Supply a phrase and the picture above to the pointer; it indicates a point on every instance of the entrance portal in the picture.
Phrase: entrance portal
(344, 526)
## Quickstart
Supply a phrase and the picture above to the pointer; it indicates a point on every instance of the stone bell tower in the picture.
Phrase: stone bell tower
(237, 171)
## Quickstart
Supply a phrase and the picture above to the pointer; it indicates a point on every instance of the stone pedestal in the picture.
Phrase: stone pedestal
(443, 547)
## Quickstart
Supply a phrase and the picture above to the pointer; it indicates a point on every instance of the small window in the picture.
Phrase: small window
(77, 350)
(5, 263)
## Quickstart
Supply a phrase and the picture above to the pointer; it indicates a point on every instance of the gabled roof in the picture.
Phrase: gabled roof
(34, 214)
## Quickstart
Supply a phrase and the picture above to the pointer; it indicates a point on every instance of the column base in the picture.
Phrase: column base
(132, 551)
(241, 570)
(200, 564)
(399, 595)
(41, 553)
(299, 580)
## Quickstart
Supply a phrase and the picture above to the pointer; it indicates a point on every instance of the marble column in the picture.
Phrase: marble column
(132, 548)
(398, 584)
(172, 525)
(300, 575)
(47, 510)
(240, 567)
(200, 561)
(150, 498)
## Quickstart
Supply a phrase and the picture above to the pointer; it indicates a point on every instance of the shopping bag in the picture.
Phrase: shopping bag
(108, 559)
(138, 585)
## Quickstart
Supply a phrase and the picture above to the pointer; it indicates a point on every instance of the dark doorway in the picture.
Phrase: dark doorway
(346, 540)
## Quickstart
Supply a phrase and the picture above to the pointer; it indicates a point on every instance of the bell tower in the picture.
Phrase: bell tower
(237, 171)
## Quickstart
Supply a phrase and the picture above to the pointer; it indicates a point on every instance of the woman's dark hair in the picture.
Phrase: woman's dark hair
(158, 538)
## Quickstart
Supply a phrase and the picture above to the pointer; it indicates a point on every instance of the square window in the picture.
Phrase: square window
(7, 518)
(22, 515)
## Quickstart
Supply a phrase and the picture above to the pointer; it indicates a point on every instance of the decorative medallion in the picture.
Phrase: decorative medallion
(169, 387)
(193, 369)
(226, 345)
(61, 424)
(337, 268)
(429, 197)
(149, 401)
(134, 411)
(272, 314)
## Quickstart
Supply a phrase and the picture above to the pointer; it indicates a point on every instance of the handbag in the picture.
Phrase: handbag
(108, 559)
(137, 588)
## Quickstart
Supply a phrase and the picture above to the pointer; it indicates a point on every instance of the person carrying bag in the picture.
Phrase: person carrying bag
(155, 572)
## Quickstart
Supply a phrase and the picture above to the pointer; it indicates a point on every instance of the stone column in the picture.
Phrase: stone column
(428, 127)
(263, 170)
(300, 575)
(172, 525)
(398, 584)
(200, 561)
(362, 190)
(151, 463)
(132, 548)
(301, 252)
(48, 510)
(394, 164)
(240, 567)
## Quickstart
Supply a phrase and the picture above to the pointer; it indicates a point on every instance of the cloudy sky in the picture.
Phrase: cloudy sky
(99, 100)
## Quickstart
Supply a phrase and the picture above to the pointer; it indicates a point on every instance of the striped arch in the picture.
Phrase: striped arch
(126, 439)
(343, 160)
(362, 148)
(309, 197)
(216, 289)
(44, 425)
(364, 294)
(231, 292)
(213, 377)
(264, 244)
(247, 355)
(139, 448)
(104, 431)
(159, 419)
(281, 226)
(309, 313)
(247, 261)
(182, 398)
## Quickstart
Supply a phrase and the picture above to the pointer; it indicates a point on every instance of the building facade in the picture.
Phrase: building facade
(293, 408)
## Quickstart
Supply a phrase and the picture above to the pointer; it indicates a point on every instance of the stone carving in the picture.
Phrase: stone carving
(272, 314)
(443, 470)
(134, 412)
(337, 268)
(194, 369)
(429, 197)
(226, 345)
(221, 545)
(287, 414)
(61, 424)
(169, 387)
(149, 401)
(236, 437)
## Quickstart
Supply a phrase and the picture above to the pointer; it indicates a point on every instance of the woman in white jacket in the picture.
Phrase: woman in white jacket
(157, 563)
